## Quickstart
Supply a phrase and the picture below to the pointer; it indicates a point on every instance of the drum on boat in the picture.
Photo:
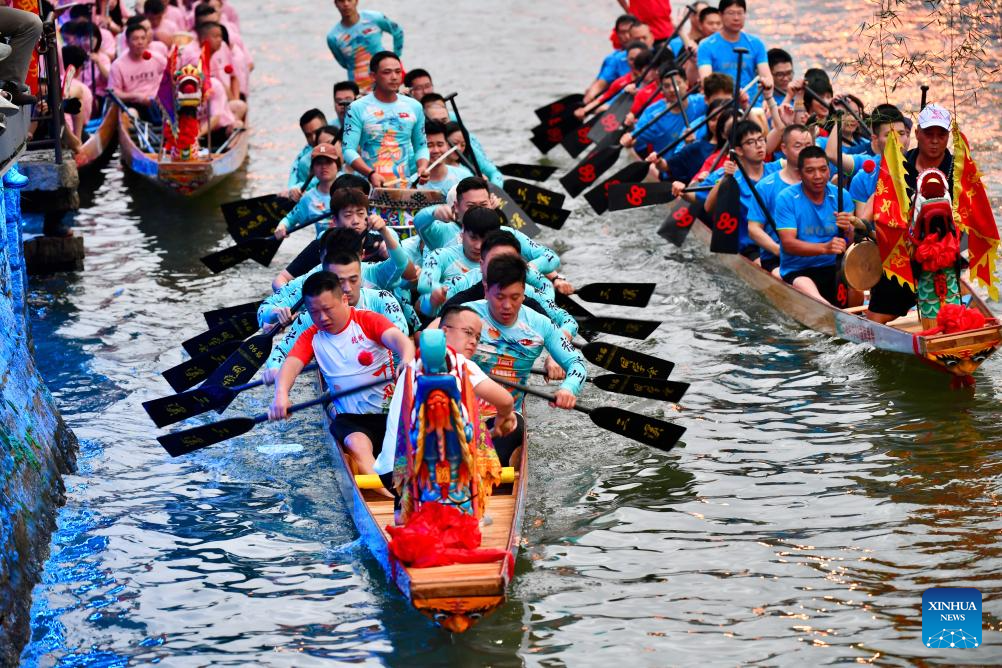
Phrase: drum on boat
(862, 265)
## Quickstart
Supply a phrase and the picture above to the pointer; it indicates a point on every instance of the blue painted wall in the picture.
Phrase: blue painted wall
(36, 447)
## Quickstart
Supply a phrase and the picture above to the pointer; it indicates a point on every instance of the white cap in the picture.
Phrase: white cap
(934, 116)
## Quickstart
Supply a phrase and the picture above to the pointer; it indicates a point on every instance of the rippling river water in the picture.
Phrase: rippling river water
(821, 488)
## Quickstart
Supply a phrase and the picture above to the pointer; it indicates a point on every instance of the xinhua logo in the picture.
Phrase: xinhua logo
(951, 617)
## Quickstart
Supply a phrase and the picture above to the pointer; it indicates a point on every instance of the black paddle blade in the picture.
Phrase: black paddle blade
(564, 105)
(189, 440)
(234, 329)
(598, 197)
(610, 120)
(656, 433)
(241, 366)
(577, 141)
(517, 217)
(168, 410)
(620, 294)
(681, 216)
(589, 169)
(636, 195)
(220, 315)
(633, 329)
(255, 217)
(547, 217)
(543, 144)
(527, 193)
(550, 133)
(620, 360)
(725, 237)
(261, 250)
(635, 386)
(532, 172)
(188, 374)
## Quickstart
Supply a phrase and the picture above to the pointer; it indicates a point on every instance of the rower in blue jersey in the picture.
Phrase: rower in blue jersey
(435, 109)
(384, 131)
(763, 232)
(357, 37)
(614, 65)
(316, 199)
(654, 135)
(748, 142)
(812, 229)
(716, 52)
(310, 123)
(443, 177)
(437, 227)
(514, 337)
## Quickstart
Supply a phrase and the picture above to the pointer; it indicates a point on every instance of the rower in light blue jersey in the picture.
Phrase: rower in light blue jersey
(357, 37)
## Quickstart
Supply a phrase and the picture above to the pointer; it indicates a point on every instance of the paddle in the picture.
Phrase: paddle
(863, 128)
(532, 172)
(545, 216)
(620, 294)
(636, 195)
(577, 141)
(726, 213)
(257, 216)
(590, 323)
(565, 105)
(527, 193)
(191, 372)
(175, 408)
(471, 157)
(549, 134)
(656, 433)
(234, 329)
(221, 315)
(635, 386)
(622, 360)
(681, 215)
(517, 217)
(260, 249)
(188, 441)
(598, 197)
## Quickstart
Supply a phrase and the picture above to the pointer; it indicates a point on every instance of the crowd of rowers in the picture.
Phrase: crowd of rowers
(365, 293)
(782, 132)
(115, 50)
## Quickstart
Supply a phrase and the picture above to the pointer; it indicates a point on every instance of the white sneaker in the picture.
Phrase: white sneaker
(6, 104)
(5, 50)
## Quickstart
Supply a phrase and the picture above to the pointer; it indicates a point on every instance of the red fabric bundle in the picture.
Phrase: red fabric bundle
(953, 318)
(614, 38)
(935, 254)
(439, 535)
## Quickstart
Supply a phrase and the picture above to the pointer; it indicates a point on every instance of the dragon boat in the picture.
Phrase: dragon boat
(457, 595)
(941, 289)
(101, 141)
(171, 156)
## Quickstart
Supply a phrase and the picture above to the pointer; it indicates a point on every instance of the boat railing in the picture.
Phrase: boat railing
(48, 54)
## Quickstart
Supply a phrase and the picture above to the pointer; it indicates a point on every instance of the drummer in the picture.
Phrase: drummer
(812, 230)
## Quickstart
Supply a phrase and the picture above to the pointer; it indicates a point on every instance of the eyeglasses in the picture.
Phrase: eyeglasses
(782, 74)
(754, 142)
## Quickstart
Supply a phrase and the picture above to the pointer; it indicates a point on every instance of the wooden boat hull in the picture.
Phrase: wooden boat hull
(189, 178)
(958, 354)
(100, 145)
(456, 596)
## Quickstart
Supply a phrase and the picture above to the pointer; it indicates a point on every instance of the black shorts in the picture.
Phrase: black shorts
(888, 297)
(506, 445)
(769, 263)
(825, 278)
(372, 425)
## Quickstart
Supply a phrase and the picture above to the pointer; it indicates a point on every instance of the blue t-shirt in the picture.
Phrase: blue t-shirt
(858, 146)
(354, 47)
(455, 175)
(676, 45)
(718, 53)
(685, 162)
(669, 127)
(747, 198)
(768, 188)
(388, 136)
(613, 66)
(813, 223)
(863, 183)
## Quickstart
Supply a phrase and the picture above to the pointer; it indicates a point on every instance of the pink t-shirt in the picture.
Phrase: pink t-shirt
(192, 53)
(137, 75)
(176, 15)
(219, 104)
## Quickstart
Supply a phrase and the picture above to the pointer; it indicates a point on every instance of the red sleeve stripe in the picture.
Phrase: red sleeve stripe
(303, 349)
(373, 324)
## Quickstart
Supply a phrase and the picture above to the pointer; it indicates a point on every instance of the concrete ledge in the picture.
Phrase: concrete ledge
(48, 255)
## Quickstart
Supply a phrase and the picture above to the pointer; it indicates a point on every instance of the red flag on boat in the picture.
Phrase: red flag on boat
(973, 214)
(891, 213)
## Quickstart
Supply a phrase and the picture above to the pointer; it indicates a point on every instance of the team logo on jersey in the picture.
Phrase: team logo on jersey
(369, 31)
(403, 114)
(377, 113)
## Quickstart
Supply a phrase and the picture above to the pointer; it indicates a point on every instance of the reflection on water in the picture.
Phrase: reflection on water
(820, 489)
